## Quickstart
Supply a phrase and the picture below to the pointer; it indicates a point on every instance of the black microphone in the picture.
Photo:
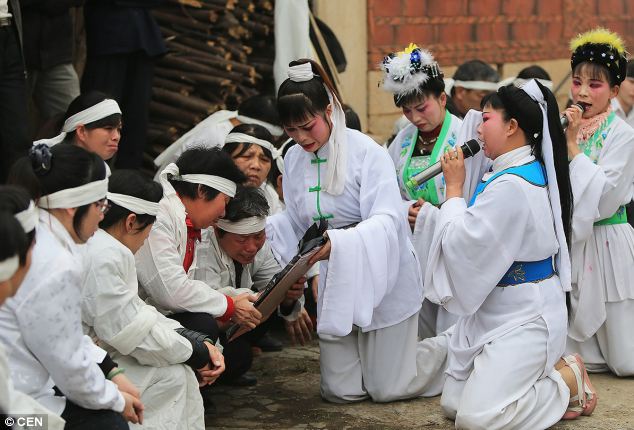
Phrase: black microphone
(469, 149)
(564, 118)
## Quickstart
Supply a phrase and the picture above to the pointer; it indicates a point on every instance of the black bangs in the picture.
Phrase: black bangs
(594, 71)
(113, 120)
(297, 109)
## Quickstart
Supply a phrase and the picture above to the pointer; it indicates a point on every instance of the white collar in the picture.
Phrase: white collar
(516, 157)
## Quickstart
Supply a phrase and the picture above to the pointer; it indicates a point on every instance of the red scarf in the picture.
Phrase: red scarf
(193, 236)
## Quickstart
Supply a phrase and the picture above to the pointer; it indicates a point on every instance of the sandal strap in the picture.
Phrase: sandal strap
(573, 364)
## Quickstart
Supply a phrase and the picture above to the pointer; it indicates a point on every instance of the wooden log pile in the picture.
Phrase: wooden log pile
(220, 52)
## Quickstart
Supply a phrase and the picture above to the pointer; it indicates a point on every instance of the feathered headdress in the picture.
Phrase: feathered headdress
(407, 70)
(603, 47)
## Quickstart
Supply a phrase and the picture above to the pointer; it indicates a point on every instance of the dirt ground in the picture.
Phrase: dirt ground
(287, 397)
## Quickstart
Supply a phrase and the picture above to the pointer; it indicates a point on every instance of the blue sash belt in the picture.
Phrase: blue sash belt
(522, 272)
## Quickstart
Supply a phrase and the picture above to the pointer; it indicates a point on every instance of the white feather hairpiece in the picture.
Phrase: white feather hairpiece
(406, 71)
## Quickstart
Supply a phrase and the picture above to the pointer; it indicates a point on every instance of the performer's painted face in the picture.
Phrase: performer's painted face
(591, 90)
(242, 247)
(492, 132)
(254, 163)
(426, 113)
(313, 132)
(103, 141)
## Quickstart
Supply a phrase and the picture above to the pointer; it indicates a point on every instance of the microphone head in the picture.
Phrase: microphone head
(580, 106)
(470, 148)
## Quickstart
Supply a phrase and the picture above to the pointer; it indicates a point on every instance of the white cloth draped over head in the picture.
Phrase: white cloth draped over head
(8, 267)
(218, 183)
(251, 225)
(28, 217)
(135, 204)
(275, 130)
(562, 259)
(75, 197)
(245, 138)
(336, 173)
(94, 113)
(469, 85)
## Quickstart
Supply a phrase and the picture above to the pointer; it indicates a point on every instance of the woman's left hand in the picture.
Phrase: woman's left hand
(452, 163)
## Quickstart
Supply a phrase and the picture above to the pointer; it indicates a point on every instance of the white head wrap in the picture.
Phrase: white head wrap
(562, 259)
(251, 225)
(28, 218)
(245, 138)
(219, 183)
(275, 130)
(94, 113)
(135, 204)
(470, 85)
(75, 197)
(8, 268)
(336, 174)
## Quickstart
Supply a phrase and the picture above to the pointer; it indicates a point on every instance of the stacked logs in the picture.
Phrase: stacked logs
(220, 52)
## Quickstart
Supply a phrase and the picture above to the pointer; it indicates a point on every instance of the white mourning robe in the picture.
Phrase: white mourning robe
(41, 329)
(435, 319)
(602, 257)
(371, 284)
(139, 338)
(210, 133)
(160, 266)
(491, 381)
(13, 402)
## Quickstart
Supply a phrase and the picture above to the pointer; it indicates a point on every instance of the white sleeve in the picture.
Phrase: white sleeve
(473, 247)
(161, 273)
(122, 320)
(600, 189)
(50, 323)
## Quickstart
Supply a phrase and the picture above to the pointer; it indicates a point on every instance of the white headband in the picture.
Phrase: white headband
(28, 218)
(470, 85)
(301, 72)
(519, 82)
(245, 138)
(135, 204)
(8, 268)
(275, 130)
(75, 197)
(219, 183)
(251, 225)
(94, 113)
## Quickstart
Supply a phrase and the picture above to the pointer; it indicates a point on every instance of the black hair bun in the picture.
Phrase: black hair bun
(40, 156)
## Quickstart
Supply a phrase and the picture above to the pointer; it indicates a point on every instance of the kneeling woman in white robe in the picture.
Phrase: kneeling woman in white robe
(18, 218)
(491, 263)
(157, 353)
(370, 287)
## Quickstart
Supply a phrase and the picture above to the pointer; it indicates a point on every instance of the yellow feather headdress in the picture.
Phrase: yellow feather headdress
(601, 46)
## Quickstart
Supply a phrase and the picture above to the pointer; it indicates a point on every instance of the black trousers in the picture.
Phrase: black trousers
(128, 79)
(14, 140)
(78, 418)
(238, 354)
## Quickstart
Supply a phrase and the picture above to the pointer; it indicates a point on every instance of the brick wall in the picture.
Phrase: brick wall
(496, 31)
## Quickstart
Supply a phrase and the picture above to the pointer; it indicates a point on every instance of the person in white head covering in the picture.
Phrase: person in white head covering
(500, 262)
(195, 192)
(42, 322)
(471, 81)
(160, 357)
(18, 218)
(212, 131)
(93, 122)
(370, 288)
(251, 148)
